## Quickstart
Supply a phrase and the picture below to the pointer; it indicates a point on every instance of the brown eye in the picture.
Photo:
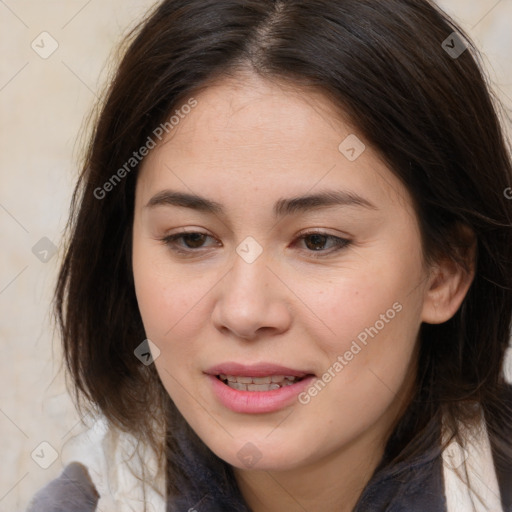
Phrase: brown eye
(316, 241)
(193, 240)
(186, 242)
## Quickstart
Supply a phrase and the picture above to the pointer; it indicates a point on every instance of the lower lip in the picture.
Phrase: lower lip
(254, 402)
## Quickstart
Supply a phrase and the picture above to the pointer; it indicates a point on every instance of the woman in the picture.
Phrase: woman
(288, 279)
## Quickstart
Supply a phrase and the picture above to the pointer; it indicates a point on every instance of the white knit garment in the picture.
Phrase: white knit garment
(106, 453)
(478, 471)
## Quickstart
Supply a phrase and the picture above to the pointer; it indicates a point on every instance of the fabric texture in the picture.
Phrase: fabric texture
(114, 461)
(72, 491)
(432, 482)
(479, 473)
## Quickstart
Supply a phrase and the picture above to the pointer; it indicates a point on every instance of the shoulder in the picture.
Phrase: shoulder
(72, 490)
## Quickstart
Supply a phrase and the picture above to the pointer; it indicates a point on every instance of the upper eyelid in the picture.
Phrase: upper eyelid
(309, 232)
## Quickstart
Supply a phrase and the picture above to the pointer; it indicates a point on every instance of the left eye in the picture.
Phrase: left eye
(315, 242)
(320, 239)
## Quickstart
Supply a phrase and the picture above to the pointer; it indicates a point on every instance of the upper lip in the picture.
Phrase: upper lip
(254, 370)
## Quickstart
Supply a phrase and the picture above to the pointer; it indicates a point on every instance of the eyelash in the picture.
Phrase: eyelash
(340, 243)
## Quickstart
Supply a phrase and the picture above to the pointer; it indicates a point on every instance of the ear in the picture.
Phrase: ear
(449, 280)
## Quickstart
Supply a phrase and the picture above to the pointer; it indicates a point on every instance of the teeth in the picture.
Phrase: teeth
(262, 380)
(257, 380)
(269, 383)
(236, 385)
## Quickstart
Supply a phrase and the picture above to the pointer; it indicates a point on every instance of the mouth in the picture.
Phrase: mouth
(257, 388)
(258, 384)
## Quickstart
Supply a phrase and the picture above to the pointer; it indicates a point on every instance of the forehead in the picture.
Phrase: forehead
(246, 133)
(245, 109)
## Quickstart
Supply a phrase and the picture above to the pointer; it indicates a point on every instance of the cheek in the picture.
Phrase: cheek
(166, 297)
(368, 361)
(375, 313)
(366, 303)
(175, 305)
(170, 306)
(171, 312)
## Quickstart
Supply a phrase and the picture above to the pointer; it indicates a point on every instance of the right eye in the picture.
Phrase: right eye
(193, 240)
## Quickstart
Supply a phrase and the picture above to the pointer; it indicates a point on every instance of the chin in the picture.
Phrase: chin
(251, 455)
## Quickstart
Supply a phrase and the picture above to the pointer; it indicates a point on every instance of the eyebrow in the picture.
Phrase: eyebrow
(282, 207)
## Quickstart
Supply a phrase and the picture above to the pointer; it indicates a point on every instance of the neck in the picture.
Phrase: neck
(330, 484)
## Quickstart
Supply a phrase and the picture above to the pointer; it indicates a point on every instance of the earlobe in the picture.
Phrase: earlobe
(449, 283)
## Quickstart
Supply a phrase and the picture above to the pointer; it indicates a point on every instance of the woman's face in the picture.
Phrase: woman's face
(304, 262)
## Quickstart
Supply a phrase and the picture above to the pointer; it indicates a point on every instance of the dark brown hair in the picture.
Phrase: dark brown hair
(427, 112)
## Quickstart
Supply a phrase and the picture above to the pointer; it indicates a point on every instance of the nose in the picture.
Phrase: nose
(252, 301)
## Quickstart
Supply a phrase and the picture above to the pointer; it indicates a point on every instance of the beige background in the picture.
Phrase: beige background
(42, 105)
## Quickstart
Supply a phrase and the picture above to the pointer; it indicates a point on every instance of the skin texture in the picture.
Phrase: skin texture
(245, 145)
